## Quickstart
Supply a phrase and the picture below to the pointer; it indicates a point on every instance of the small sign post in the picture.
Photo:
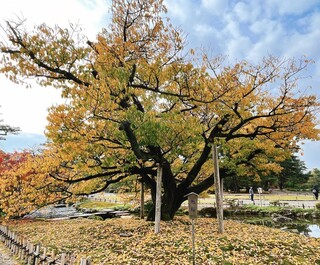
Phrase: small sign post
(193, 212)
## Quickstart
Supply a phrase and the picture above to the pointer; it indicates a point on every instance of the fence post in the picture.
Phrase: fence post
(53, 254)
(8, 241)
(43, 256)
(63, 259)
(13, 243)
(72, 260)
(23, 248)
(36, 254)
(30, 253)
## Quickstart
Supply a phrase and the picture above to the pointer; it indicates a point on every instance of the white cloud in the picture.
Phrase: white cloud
(237, 48)
(232, 28)
(263, 26)
(204, 30)
(59, 12)
(217, 7)
(180, 10)
(290, 7)
(27, 108)
(247, 12)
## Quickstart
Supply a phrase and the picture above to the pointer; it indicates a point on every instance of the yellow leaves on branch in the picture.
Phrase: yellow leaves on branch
(135, 74)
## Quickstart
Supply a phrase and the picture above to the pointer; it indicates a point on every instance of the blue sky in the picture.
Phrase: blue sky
(237, 29)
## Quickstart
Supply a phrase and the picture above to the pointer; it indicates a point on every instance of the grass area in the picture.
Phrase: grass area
(123, 200)
(99, 205)
(274, 209)
(270, 197)
(133, 241)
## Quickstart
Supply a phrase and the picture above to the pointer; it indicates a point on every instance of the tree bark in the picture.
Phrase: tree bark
(174, 195)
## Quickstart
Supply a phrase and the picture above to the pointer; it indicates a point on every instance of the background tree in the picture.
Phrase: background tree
(134, 101)
(249, 162)
(292, 176)
(7, 129)
(20, 191)
(314, 178)
(259, 168)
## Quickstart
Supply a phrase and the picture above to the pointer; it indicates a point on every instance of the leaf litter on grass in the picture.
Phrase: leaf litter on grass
(133, 241)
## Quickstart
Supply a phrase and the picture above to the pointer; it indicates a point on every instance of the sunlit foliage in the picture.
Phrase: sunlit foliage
(22, 192)
(136, 98)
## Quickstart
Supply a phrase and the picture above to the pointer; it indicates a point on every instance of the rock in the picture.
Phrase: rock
(288, 213)
(277, 218)
(315, 215)
(85, 210)
(306, 215)
(52, 211)
(125, 235)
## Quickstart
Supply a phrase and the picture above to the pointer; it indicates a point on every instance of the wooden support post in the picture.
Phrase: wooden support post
(141, 199)
(158, 200)
(218, 191)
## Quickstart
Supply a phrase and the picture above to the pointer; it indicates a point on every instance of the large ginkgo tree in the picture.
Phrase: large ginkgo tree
(136, 99)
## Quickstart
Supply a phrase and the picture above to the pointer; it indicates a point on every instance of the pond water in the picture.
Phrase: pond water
(305, 227)
(314, 231)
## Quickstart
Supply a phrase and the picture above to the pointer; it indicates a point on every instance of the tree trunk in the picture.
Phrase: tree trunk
(169, 207)
(173, 194)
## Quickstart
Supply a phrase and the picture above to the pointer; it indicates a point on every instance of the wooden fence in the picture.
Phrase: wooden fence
(34, 254)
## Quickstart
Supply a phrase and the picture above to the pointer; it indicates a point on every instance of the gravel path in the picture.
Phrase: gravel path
(5, 257)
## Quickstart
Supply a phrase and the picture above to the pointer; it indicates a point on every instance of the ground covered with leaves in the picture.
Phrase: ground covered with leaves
(133, 241)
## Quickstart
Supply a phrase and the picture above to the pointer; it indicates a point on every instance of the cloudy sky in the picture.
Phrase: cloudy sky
(240, 30)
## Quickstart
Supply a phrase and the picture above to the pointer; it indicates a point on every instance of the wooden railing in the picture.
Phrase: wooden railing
(34, 254)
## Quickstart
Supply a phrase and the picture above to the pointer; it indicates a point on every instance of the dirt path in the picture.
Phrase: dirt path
(5, 257)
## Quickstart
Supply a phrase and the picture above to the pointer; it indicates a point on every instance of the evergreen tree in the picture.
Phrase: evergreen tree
(292, 176)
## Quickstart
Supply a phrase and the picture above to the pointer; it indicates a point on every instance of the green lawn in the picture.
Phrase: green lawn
(273, 197)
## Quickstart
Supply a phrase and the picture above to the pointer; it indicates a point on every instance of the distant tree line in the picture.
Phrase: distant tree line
(293, 176)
